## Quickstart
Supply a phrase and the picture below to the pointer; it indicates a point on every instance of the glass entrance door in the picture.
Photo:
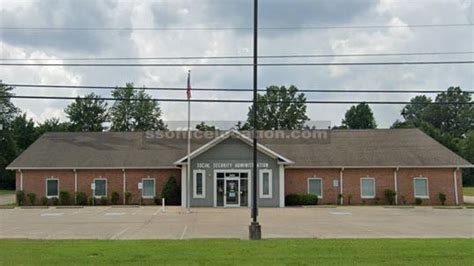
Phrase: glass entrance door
(232, 192)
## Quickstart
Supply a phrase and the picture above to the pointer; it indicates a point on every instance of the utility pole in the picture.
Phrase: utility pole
(255, 230)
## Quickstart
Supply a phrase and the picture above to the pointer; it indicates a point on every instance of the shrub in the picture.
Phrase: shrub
(103, 201)
(301, 199)
(32, 198)
(115, 197)
(418, 201)
(349, 198)
(64, 198)
(91, 201)
(376, 199)
(44, 201)
(55, 201)
(390, 196)
(128, 196)
(20, 198)
(171, 192)
(157, 200)
(442, 198)
(404, 200)
(340, 198)
(81, 199)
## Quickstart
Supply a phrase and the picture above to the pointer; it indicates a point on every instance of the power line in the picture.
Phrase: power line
(239, 64)
(237, 57)
(308, 27)
(219, 89)
(224, 101)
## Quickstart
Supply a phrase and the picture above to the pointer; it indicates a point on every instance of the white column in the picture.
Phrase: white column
(184, 186)
(341, 185)
(395, 184)
(124, 185)
(75, 185)
(282, 185)
(21, 180)
(456, 186)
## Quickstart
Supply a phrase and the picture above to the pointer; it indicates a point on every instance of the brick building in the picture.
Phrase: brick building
(357, 164)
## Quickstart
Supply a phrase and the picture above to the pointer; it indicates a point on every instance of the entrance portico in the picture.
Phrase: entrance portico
(221, 174)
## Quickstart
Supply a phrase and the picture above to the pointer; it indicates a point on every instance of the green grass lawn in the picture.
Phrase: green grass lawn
(468, 191)
(238, 252)
(6, 192)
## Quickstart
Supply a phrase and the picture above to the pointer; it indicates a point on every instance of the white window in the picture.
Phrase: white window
(148, 188)
(421, 187)
(100, 187)
(52, 188)
(315, 186)
(199, 184)
(265, 183)
(367, 188)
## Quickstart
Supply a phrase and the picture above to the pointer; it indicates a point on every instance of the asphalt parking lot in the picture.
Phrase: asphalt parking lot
(176, 223)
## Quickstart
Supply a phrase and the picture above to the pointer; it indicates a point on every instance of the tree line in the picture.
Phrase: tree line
(279, 108)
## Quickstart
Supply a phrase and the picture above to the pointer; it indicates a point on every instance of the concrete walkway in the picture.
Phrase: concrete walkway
(468, 199)
(175, 223)
(7, 199)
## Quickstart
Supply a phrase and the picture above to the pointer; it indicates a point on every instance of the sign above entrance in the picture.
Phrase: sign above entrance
(230, 165)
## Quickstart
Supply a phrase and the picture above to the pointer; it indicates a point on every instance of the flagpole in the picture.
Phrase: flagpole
(188, 168)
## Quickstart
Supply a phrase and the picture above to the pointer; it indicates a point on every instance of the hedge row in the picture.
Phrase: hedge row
(301, 199)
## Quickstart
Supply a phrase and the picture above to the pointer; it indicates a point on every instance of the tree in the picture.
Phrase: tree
(279, 108)
(414, 111)
(468, 154)
(171, 192)
(203, 127)
(24, 132)
(359, 117)
(87, 114)
(8, 147)
(52, 125)
(135, 110)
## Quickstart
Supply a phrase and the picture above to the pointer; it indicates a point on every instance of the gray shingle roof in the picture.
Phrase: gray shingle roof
(345, 148)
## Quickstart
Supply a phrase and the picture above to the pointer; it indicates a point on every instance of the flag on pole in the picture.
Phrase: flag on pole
(188, 90)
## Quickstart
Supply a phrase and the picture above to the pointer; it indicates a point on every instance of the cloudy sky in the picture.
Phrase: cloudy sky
(60, 44)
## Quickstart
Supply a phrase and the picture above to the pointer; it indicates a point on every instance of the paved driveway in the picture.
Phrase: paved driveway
(174, 223)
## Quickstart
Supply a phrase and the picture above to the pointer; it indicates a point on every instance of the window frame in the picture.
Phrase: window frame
(203, 174)
(427, 187)
(95, 190)
(46, 183)
(270, 183)
(320, 180)
(154, 188)
(374, 187)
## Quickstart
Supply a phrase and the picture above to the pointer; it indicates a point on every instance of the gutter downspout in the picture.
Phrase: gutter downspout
(21, 179)
(124, 185)
(395, 183)
(456, 186)
(341, 181)
(75, 186)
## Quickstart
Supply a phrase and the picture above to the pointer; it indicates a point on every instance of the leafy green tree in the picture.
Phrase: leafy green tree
(24, 132)
(8, 147)
(468, 153)
(52, 125)
(203, 127)
(359, 117)
(279, 108)
(135, 110)
(87, 114)
(414, 111)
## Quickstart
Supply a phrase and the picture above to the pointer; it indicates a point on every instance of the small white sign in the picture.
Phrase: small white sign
(140, 185)
(335, 183)
(93, 186)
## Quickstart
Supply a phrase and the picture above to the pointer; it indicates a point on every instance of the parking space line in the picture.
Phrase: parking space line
(114, 213)
(156, 212)
(52, 214)
(120, 233)
(135, 212)
(184, 232)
